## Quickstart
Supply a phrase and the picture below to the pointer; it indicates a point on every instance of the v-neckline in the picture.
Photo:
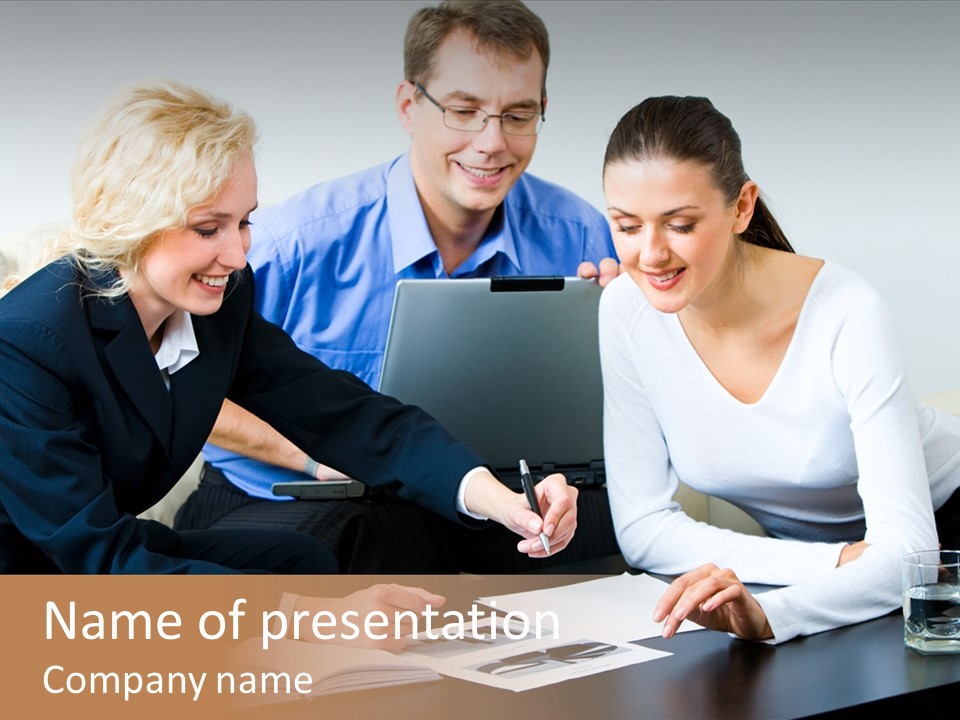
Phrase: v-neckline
(787, 355)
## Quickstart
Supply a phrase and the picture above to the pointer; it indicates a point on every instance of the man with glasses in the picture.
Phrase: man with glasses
(327, 261)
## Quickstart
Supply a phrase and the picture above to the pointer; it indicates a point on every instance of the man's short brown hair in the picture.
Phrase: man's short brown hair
(497, 26)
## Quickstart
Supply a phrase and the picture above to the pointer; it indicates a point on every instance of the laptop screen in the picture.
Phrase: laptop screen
(511, 366)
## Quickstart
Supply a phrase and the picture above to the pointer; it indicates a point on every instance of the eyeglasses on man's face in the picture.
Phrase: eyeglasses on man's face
(468, 119)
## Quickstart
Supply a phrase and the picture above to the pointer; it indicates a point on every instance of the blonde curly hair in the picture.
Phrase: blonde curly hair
(156, 151)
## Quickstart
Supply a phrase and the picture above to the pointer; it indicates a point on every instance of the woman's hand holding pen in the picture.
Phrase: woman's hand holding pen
(558, 502)
(716, 599)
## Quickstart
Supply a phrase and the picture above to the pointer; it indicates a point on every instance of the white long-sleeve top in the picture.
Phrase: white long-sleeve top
(835, 451)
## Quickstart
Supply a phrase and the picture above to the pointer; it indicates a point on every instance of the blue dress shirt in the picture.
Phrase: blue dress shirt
(327, 262)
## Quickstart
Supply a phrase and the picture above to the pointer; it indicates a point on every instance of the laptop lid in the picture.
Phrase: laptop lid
(511, 366)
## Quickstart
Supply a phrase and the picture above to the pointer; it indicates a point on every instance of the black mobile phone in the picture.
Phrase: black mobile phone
(319, 489)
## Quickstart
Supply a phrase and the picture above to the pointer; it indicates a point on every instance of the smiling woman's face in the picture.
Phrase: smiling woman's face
(188, 269)
(673, 229)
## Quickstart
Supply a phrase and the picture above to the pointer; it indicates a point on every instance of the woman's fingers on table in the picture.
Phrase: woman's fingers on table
(715, 598)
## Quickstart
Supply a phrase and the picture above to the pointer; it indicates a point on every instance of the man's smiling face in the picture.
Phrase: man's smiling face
(461, 174)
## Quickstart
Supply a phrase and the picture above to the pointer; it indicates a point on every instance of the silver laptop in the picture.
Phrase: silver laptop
(511, 366)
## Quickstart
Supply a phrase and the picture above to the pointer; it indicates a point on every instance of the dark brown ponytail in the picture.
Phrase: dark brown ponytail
(692, 129)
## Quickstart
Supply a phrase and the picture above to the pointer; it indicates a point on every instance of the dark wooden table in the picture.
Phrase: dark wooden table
(709, 675)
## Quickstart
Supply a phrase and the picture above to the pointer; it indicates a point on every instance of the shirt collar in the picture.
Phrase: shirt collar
(410, 236)
(179, 345)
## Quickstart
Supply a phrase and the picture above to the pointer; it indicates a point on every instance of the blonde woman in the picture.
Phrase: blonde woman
(116, 357)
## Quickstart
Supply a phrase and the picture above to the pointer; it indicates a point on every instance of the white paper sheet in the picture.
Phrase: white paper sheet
(613, 609)
(596, 621)
(527, 663)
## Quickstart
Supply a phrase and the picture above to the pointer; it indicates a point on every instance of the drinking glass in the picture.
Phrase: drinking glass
(931, 601)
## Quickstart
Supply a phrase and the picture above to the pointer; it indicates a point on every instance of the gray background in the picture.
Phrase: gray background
(847, 111)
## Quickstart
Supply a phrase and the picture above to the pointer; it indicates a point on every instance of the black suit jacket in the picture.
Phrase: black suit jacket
(90, 436)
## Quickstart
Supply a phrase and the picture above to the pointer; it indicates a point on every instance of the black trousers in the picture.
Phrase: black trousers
(258, 551)
(249, 551)
(391, 536)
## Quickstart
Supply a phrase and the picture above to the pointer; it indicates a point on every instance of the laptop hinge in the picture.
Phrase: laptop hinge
(578, 475)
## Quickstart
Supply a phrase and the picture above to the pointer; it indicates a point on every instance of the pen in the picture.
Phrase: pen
(527, 483)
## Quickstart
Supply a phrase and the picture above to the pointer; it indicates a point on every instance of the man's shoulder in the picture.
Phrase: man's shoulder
(550, 217)
(338, 201)
(542, 197)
